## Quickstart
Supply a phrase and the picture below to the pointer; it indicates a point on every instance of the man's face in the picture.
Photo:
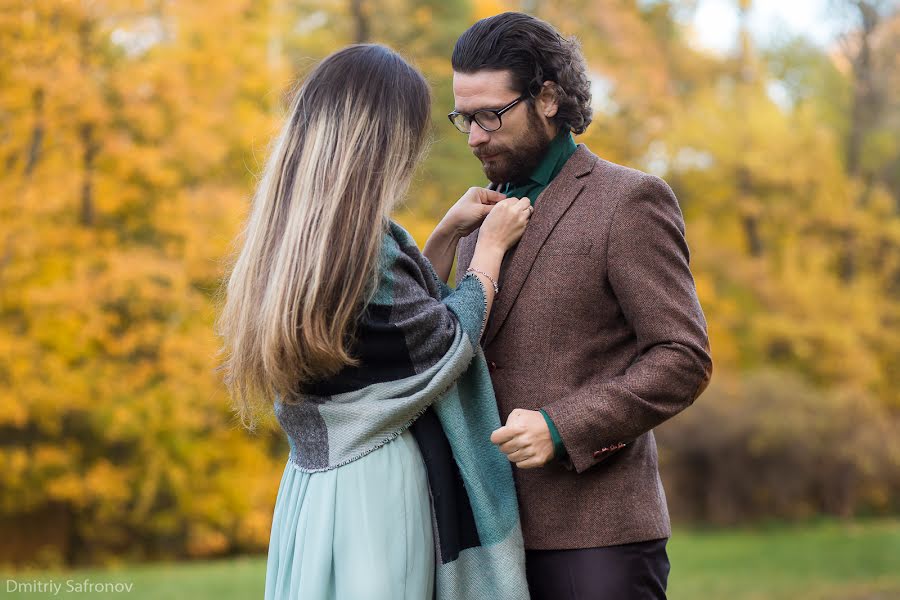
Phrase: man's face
(512, 152)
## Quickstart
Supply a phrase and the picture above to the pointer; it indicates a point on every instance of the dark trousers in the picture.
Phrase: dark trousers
(637, 571)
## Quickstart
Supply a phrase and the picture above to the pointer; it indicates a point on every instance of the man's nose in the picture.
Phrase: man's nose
(477, 136)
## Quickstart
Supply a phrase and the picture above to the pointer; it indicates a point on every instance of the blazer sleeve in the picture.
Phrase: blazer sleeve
(648, 270)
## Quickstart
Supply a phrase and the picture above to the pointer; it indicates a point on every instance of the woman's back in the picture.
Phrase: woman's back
(334, 313)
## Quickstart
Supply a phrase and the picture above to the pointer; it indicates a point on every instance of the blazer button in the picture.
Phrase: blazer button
(598, 453)
(492, 366)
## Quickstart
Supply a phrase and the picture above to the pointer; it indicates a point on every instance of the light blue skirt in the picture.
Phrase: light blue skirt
(362, 530)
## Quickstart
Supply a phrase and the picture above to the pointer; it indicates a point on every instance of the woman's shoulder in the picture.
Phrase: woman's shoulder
(395, 259)
(401, 236)
(394, 246)
(401, 257)
(398, 245)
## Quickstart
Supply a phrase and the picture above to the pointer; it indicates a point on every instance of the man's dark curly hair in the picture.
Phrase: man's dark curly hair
(534, 52)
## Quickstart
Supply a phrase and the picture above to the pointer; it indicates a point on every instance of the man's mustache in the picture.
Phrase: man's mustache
(482, 152)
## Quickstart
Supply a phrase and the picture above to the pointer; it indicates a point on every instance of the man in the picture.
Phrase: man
(596, 336)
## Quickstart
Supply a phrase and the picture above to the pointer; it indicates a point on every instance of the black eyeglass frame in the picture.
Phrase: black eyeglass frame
(473, 118)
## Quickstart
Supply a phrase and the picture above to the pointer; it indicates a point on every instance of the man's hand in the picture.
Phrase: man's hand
(466, 215)
(525, 439)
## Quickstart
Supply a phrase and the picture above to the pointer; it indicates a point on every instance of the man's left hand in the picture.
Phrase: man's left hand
(525, 439)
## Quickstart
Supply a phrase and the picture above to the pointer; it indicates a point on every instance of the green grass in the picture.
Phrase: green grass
(242, 578)
(826, 561)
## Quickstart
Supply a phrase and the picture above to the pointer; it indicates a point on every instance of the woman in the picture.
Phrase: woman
(372, 360)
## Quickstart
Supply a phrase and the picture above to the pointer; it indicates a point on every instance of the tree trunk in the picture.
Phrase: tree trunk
(89, 149)
(746, 75)
(361, 19)
(865, 95)
(275, 50)
(37, 134)
(87, 133)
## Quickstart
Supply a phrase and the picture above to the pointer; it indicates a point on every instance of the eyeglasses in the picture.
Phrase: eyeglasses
(486, 118)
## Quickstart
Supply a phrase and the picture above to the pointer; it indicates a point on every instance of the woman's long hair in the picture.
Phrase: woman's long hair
(344, 158)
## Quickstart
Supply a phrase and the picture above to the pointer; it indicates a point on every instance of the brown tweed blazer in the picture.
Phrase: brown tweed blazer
(597, 322)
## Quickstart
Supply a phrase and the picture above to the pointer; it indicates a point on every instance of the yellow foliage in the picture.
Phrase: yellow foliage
(489, 8)
(131, 134)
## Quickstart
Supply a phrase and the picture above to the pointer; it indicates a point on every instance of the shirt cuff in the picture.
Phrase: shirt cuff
(559, 450)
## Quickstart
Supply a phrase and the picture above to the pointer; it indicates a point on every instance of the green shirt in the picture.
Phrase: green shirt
(561, 149)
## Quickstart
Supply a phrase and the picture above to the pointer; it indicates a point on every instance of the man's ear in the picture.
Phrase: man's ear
(548, 99)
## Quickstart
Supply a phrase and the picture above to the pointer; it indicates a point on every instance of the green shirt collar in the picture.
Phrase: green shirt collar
(561, 148)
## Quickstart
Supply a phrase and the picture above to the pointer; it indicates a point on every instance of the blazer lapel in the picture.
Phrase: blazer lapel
(555, 201)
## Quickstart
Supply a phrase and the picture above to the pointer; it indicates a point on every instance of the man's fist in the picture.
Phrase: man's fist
(525, 439)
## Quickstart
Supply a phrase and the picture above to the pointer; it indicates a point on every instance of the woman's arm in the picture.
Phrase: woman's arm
(441, 248)
(501, 230)
(462, 219)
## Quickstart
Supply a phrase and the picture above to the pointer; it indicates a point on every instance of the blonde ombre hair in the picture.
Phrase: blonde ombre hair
(308, 264)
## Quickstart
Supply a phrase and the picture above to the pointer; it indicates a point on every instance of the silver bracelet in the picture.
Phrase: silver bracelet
(491, 279)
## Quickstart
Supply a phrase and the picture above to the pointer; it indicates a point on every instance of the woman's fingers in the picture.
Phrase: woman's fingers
(509, 222)
(480, 195)
(491, 197)
(524, 205)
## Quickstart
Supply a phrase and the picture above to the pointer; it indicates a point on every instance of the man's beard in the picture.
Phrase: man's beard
(515, 164)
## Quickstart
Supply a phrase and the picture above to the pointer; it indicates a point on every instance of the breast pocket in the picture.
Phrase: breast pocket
(567, 275)
(566, 248)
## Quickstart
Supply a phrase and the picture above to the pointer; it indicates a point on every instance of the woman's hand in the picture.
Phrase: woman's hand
(461, 220)
(466, 215)
(499, 232)
(505, 224)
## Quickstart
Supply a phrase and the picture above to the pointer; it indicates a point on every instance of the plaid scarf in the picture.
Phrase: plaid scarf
(421, 368)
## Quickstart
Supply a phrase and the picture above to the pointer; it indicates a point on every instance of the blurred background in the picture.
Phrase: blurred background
(131, 134)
